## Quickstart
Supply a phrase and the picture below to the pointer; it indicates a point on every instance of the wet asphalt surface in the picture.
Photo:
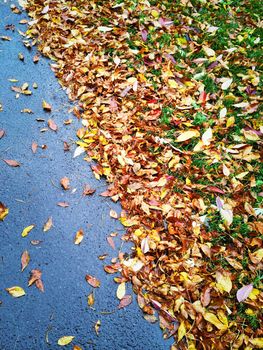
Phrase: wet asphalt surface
(31, 192)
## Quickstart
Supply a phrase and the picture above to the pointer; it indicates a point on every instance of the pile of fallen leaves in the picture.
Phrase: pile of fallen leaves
(169, 96)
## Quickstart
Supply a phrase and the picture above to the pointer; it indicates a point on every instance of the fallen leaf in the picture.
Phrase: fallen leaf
(184, 136)
(111, 242)
(63, 204)
(65, 183)
(34, 276)
(212, 318)
(113, 214)
(16, 291)
(91, 299)
(52, 125)
(46, 106)
(93, 281)
(3, 211)
(87, 190)
(224, 283)
(181, 331)
(244, 292)
(226, 84)
(2, 133)
(78, 151)
(125, 301)
(25, 258)
(97, 327)
(12, 162)
(121, 290)
(65, 340)
(34, 147)
(79, 237)
(26, 230)
(47, 226)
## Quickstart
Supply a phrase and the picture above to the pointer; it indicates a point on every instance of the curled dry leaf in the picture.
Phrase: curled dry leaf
(3, 211)
(16, 291)
(47, 226)
(79, 237)
(65, 340)
(26, 230)
(93, 281)
(12, 162)
(64, 182)
(97, 327)
(25, 258)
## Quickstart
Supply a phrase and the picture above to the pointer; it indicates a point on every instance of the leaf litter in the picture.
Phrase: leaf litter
(170, 101)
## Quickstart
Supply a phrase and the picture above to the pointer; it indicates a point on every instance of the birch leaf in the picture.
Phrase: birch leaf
(67, 339)
(16, 291)
(26, 230)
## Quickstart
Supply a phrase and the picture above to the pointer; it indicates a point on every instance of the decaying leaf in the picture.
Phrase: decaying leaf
(125, 301)
(65, 340)
(97, 327)
(16, 291)
(25, 258)
(87, 190)
(91, 299)
(48, 224)
(26, 230)
(79, 236)
(93, 281)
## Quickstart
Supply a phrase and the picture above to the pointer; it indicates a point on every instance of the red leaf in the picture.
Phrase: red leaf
(65, 183)
(87, 190)
(25, 258)
(111, 242)
(34, 276)
(63, 204)
(12, 162)
(34, 147)
(214, 189)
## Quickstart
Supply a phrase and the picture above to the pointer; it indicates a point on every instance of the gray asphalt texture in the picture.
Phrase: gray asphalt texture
(31, 193)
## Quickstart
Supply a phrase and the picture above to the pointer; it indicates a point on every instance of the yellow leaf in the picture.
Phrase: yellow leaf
(16, 291)
(26, 230)
(254, 294)
(155, 13)
(187, 135)
(224, 283)
(181, 331)
(67, 339)
(257, 342)
(121, 290)
(208, 51)
(208, 316)
(91, 299)
(79, 237)
(230, 122)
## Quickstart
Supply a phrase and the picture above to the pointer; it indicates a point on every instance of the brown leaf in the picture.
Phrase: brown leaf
(93, 281)
(34, 276)
(65, 183)
(12, 162)
(63, 204)
(46, 106)
(125, 301)
(34, 147)
(25, 258)
(40, 285)
(205, 297)
(87, 190)
(52, 125)
(47, 226)
(66, 146)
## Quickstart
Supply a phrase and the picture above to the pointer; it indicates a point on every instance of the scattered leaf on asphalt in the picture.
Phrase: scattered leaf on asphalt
(12, 162)
(125, 301)
(97, 327)
(16, 291)
(87, 190)
(2, 133)
(111, 242)
(79, 236)
(52, 125)
(65, 183)
(25, 258)
(47, 226)
(93, 281)
(3, 211)
(65, 340)
(26, 230)
(34, 147)
(46, 106)
(121, 290)
(113, 214)
(91, 299)
(63, 204)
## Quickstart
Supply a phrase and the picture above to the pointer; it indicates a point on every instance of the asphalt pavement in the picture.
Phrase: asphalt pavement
(31, 192)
